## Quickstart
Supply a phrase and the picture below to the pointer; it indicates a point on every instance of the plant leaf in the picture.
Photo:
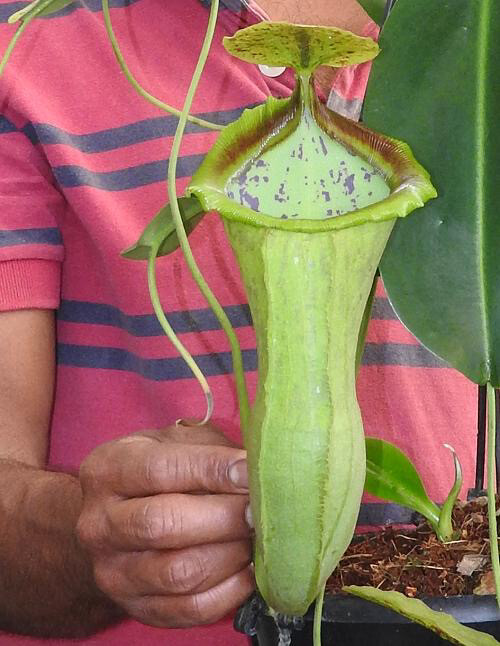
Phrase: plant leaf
(440, 622)
(441, 269)
(391, 475)
(299, 46)
(375, 9)
(33, 8)
(162, 227)
(445, 526)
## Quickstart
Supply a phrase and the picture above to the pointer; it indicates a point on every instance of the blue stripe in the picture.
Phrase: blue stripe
(126, 178)
(400, 354)
(49, 235)
(185, 321)
(146, 325)
(133, 133)
(169, 369)
(9, 8)
(382, 310)
(6, 125)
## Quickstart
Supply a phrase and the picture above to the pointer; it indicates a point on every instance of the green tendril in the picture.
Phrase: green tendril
(492, 517)
(167, 328)
(13, 41)
(135, 84)
(318, 615)
(181, 233)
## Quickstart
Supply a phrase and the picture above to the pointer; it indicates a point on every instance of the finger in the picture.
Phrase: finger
(172, 572)
(192, 610)
(140, 466)
(183, 433)
(172, 521)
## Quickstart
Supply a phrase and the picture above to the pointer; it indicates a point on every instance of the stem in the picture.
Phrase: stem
(13, 41)
(181, 233)
(162, 319)
(492, 518)
(135, 84)
(318, 615)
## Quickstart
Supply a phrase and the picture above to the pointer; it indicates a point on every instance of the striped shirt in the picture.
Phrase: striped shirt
(83, 162)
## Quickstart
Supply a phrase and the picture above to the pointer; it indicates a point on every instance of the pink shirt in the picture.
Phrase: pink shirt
(83, 162)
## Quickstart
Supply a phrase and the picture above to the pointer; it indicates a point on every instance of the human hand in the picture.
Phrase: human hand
(163, 520)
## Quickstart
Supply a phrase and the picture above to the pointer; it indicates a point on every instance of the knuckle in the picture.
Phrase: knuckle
(88, 530)
(108, 580)
(203, 610)
(154, 522)
(184, 573)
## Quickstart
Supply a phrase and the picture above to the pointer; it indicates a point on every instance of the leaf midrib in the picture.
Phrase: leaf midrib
(483, 41)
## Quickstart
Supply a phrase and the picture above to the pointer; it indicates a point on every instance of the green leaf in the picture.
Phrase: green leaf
(445, 526)
(440, 622)
(391, 475)
(375, 9)
(33, 9)
(299, 46)
(162, 227)
(437, 85)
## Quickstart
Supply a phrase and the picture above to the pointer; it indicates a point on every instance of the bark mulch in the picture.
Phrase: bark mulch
(414, 562)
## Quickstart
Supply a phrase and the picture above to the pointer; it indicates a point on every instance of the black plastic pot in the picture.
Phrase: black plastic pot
(349, 621)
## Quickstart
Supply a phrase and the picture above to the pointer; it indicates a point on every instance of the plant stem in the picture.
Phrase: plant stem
(13, 41)
(492, 518)
(135, 84)
(181, 233)
(162, 319)
(318, 615)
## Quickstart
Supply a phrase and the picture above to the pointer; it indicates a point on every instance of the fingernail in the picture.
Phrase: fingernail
(249, 517)
(238, 474)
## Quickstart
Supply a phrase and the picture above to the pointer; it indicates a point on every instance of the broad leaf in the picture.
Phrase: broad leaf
(440, 622)
(375, 9)
(162, 229)
(437, 85)
(391, 475)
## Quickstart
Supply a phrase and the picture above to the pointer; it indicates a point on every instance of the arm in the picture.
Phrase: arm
(46, 587)
(346, 14)
(166, 556)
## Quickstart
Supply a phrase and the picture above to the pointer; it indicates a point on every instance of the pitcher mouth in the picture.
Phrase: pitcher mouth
(259, 130)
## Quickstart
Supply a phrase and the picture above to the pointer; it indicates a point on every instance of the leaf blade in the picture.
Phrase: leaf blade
(391, 475)
(375, 9)
(440, 271)
(162, 228)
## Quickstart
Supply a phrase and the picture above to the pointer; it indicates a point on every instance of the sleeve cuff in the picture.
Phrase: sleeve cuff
(30, 284)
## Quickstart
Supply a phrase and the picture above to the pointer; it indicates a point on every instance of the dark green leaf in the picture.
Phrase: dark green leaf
(437, 85)
(416, 610)
(390, 475)
(375, 9)
(161, 230)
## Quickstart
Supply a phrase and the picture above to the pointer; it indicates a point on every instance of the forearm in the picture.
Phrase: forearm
(46, 582)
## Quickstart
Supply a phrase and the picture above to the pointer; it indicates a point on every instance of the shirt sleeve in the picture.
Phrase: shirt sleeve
(31, 249)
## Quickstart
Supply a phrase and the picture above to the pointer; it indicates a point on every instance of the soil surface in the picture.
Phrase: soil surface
(414, 562)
